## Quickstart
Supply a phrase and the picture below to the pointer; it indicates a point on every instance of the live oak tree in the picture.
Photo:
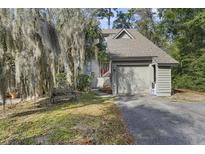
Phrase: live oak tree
(6, 57)
(37, 44)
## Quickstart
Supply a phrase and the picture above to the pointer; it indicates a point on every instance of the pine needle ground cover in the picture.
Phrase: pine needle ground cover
(90, 120)
(187, 96)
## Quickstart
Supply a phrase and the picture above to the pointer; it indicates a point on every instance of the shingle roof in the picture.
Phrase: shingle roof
(110, 31)
(139, 46)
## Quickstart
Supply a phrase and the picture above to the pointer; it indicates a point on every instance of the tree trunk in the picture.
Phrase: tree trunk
(109, 18)
(109, 22)
(4, 103)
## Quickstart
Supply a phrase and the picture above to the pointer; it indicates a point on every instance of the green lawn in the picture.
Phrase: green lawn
(90, 120)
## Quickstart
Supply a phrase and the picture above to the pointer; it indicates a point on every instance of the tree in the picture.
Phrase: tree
(125, 20)
(37, 53)
(185, 30)
(144, 20)
(148, 24)
(3, 81)
(106, 13)
(6, 47)
(78, 31)
(38, 44)
(30, 48)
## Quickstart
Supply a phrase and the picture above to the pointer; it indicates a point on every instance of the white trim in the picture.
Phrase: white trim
(163, 94)
(123, 30)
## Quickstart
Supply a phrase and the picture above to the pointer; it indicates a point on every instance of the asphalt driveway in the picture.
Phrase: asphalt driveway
(156, 120)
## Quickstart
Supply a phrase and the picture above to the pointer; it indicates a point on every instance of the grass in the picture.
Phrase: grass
(90, 120)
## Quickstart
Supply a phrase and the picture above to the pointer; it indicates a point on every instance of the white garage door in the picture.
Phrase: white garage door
(133, 79)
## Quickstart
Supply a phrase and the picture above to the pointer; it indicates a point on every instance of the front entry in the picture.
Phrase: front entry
(132, 79)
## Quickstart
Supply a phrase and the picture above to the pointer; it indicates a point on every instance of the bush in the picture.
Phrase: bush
(183, 81)
(61, 79)
(189, 82)
(83, 82)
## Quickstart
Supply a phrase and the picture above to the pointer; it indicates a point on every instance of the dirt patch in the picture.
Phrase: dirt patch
(185, 95)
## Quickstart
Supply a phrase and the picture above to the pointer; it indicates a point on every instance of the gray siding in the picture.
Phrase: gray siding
(163, 81)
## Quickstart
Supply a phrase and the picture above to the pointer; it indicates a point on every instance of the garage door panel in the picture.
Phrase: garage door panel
(133, 79)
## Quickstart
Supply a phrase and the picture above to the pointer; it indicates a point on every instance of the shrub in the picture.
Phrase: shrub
(61, 79)
(83, 82)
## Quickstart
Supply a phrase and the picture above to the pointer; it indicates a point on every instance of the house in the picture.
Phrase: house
(136, 64)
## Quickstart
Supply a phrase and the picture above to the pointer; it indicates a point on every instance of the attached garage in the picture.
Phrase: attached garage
(133, 79)
(132, 76)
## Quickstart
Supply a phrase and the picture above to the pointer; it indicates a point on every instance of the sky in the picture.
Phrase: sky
(104, 22)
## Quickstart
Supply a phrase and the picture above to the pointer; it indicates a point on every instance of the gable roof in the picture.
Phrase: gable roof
(121, 32)
(138, 46)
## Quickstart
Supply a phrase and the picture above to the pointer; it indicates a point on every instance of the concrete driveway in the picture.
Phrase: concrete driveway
(156, 120)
